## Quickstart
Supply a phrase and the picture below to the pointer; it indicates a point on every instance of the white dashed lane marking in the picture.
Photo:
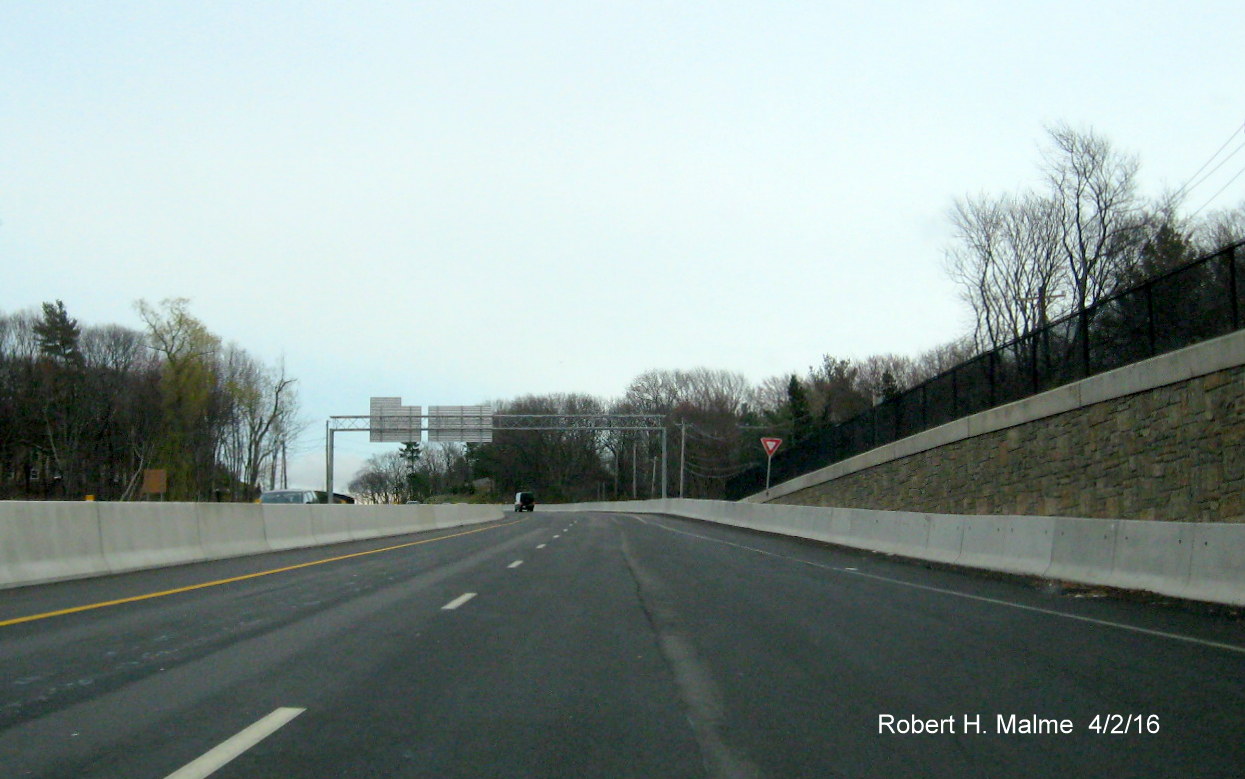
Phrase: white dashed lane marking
(212, 760)
(460, 600)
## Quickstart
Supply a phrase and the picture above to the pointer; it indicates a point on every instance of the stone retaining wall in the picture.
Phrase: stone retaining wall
(1173, 452)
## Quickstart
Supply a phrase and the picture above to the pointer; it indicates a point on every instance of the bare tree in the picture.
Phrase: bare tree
(382, 479)
(259, 402)
(126, 402)
(881, 376)
(1008, 263)
(562, 464)
(1021, 260)
(768, 397)
(443, 468)
(942, 358)
(1218, 229)
(1099, 214)
(654, 391)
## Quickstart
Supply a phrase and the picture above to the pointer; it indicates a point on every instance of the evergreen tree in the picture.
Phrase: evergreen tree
(58, 334)
(416, 483)
(890, 387)
(797, 403)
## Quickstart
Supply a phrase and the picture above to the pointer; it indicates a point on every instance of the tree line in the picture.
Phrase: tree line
(1019, 260)
(713, 420)
(87, 410)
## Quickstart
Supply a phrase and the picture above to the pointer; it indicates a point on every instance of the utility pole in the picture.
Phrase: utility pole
(682, 454)
(635, 489)
(665, 463)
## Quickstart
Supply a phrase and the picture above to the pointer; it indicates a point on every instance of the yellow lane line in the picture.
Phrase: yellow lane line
(218, 582)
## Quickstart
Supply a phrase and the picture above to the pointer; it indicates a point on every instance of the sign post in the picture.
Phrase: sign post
(771, 445)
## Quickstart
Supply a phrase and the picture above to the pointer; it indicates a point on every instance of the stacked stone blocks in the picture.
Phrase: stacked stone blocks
(1175, 452)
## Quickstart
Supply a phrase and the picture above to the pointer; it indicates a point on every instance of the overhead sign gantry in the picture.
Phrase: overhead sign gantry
(392, 422)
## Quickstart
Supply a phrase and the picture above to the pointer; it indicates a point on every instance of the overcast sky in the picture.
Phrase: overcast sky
(463, 201)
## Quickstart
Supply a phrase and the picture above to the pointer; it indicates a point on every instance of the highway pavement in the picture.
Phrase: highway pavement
(608, 645)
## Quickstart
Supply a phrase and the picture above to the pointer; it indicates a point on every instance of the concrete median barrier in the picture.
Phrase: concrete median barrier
(331, 524)
(230, 530)
(451, 515)
(52, 541)
(148, 535)
(45, 542)
(443, 517)
(287, 527)
(380, 521)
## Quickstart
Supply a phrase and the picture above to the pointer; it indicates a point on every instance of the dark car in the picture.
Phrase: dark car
(524, 501)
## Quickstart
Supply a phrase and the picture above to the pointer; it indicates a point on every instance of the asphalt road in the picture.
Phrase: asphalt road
(607, 645)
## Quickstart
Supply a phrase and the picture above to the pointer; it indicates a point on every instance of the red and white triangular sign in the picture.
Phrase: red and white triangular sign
(771, 445)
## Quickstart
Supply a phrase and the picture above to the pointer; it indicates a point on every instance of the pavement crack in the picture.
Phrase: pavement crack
(697, 689)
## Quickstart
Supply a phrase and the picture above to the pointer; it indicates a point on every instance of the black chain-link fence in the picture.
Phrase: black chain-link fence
(1193, 303)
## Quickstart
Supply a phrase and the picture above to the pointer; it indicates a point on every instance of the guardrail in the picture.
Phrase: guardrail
(52, 541)
(1193, 560)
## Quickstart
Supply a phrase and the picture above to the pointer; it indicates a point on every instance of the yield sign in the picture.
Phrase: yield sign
(771, 445)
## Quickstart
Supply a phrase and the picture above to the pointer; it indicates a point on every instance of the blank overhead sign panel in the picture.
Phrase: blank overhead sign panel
(392, 422)
(468, 424)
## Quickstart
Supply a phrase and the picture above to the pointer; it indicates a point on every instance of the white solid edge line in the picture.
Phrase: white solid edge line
(460, 600)
(515, 564)
(979, 598)
(215, 758)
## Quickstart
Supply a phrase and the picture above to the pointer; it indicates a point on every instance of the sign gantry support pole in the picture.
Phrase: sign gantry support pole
(328, 460)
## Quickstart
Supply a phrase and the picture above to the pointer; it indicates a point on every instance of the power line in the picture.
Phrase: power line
(722, 477)
(1212, 171)
(1217, 194)
(703, 469)
(1187, 186)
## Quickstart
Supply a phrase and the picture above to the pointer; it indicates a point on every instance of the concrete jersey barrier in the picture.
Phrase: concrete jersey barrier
(49, 541)
(53, 541)
(1198, 561)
